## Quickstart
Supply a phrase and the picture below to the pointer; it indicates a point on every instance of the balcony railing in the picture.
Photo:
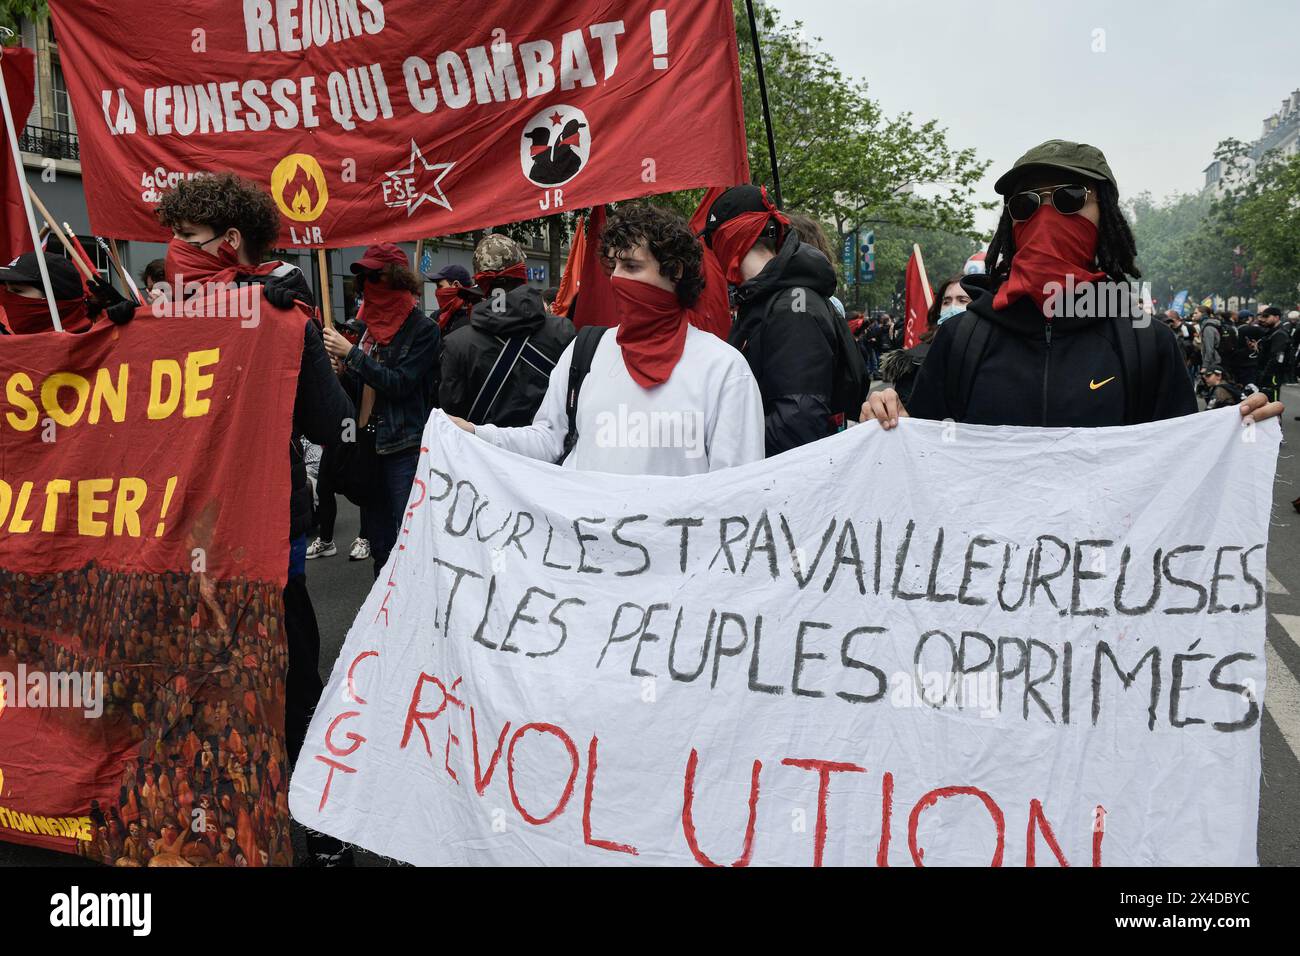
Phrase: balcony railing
(51, 143)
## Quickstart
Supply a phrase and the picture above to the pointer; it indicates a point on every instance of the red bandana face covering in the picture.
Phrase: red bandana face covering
(732, 240)
(387, 310)
(484, 280)
(31, 316)
(1049, 247)
(651, 331)
(451, 300)
(187, 263)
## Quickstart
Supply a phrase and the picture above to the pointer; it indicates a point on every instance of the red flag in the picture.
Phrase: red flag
(713, 311)
(19, 68)
(569, 281)
(917, 299)
(595, 305)
(371, 128)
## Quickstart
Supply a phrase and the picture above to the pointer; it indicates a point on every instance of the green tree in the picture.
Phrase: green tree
(1166, 232)
(13, 11)
(1266, 226)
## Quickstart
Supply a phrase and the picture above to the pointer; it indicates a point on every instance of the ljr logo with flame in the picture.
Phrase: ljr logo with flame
(298, 185)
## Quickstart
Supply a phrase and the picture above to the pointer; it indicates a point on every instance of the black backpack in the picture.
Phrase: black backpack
(584, 350)
(1137, 366)
(1229, 339)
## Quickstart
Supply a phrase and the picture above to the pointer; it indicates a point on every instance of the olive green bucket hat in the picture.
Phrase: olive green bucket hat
(1078, 158)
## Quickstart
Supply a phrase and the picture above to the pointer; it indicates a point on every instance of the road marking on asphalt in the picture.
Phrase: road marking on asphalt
(1275, 586)
(1282, 694)
(1291, 624)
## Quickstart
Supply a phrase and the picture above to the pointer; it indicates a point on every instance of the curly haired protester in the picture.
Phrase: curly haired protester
(660, 396)
(1053, 335)
(221, 227)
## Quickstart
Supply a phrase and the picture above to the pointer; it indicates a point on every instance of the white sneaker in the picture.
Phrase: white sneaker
(360, 550)
(321, 549)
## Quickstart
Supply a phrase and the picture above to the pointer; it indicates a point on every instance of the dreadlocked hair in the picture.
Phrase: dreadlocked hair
(1116, 247)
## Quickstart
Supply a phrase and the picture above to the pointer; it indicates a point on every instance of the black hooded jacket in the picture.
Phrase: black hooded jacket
(470, 352)
(1070, 372)
(790, 344)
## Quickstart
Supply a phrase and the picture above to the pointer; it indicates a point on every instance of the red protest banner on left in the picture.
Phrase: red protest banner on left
(366, 124)
(131, 446)
(144, 547)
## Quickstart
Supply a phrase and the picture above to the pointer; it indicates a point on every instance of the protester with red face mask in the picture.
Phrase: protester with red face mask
(655, 396)
(23, 305)
(397, 362)
(456, 295)
(798, 345)
(1055, 334)
(222, 226)
(497, 365)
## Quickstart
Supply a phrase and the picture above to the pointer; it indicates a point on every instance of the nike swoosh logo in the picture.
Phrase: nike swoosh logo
(1096, 385)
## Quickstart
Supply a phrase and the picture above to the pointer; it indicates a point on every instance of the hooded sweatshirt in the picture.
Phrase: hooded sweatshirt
(470, 352)
(790, 349)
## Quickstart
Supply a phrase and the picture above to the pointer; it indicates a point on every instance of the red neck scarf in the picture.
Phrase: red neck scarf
(187, 264)
(29, 316)
(732, 240)
(386, 310)
(485, 280)
(451, 299)
(651, 331)
(1049, 248)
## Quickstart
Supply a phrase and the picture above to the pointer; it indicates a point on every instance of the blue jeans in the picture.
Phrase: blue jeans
(399, 474)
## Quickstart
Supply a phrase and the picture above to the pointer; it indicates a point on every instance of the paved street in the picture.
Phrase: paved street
(338, 587)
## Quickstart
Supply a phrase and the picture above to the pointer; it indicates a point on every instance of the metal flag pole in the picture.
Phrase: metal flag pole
(27, 200)
(767, 112)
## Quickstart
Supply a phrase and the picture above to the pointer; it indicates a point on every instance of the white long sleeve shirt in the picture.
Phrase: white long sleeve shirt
(707, 416)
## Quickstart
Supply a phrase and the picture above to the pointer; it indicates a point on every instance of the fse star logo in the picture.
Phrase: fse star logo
(418, 182)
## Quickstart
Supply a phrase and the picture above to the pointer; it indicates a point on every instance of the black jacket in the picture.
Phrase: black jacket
(789, 349)
(404, 375)
(1068, 373)
(472, 351)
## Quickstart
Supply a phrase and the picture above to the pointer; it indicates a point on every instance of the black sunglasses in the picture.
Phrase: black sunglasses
(1067, 200)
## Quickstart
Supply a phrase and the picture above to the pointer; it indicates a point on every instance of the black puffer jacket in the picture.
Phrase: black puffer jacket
(1070, 372)
(470, 352)
(788, 344)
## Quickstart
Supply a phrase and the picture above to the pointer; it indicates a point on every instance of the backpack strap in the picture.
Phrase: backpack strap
(536, 359)
(584, 350)
(511, 349)
(968, 345)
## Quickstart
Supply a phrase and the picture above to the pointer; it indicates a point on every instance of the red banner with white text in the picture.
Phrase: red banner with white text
(398, 119)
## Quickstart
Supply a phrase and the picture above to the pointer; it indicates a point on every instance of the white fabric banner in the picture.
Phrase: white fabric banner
(943, 645)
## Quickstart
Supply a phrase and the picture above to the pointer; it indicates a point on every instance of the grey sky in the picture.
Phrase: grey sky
(1174, 80)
